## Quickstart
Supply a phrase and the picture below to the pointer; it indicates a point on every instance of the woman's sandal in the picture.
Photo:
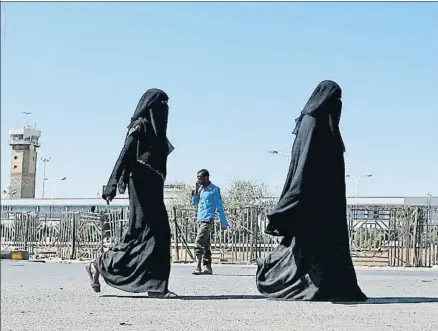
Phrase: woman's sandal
(94, 277)
(161, 295)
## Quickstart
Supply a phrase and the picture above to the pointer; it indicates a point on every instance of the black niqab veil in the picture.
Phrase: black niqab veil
(313, 260)
(324, 101)
(150, 118)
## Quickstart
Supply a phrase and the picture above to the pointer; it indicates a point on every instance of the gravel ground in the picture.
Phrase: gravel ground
(55, 296)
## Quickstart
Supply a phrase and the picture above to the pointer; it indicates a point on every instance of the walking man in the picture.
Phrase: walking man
(207, 198)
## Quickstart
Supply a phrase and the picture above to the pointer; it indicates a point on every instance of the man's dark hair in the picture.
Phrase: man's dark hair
(204, 172)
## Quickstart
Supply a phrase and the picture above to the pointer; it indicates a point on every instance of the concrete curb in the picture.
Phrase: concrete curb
(24, 256)
(235, 265)
(14, 255)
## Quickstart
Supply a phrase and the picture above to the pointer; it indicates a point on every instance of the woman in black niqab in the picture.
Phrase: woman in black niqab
(140, 262)
(313, 260)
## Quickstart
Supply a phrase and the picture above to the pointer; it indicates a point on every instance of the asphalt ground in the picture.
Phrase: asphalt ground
(57, 296)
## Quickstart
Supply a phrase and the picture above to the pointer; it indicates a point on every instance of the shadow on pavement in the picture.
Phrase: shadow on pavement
(221, 297)
(191, 297)
(370, 301)
(230, 275)
(391, 300)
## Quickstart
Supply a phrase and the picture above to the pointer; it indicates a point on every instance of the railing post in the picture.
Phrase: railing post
(415, 243)
(26, 232)
(122, 224)
(17, 241)
(107, 219)
(175, 235)
(252, 228)
(73, 246)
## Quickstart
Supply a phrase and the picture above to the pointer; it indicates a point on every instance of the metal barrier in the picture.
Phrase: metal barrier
(379, 235)
(245, 241)
(394, 236)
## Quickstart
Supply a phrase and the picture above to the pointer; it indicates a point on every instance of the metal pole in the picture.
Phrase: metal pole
(288, 157)
(53, 192)
(55, 182)
(429, 203)
(44, 180)
(357, 178)
(53, 201)
(357, 188)
(45, 160)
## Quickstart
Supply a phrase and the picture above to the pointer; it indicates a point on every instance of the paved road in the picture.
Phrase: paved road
(54, 296)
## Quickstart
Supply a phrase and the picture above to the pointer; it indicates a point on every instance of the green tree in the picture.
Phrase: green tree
(179, 207)
(179, 195)
(368, 239)
(246, 193)
(247, 202)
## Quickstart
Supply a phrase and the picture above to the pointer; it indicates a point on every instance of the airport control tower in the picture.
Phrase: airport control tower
(24, 142)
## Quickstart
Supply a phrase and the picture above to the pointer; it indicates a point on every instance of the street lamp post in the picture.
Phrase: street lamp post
(55, 182)
(44, 160)
(288, 155)
(356, 178)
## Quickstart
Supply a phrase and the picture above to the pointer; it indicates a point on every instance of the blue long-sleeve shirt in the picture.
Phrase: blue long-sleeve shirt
(208, 201)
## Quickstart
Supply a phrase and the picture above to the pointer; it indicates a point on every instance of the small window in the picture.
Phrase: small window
(15, 157)
(15, 167)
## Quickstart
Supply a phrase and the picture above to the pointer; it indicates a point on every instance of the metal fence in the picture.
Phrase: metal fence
(393, 236)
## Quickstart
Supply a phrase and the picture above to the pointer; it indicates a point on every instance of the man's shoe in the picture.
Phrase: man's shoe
(197, 271)
(207, 270)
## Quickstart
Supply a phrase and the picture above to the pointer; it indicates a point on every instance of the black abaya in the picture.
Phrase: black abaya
(141, 261)
(313, 260)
